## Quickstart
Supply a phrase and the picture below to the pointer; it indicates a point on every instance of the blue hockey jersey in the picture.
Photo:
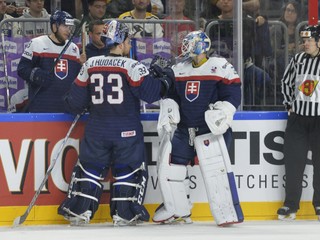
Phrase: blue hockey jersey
(111, 87)
(197, 87)
(41, 52)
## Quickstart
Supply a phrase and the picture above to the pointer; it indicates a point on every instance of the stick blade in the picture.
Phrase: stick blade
(18, 221)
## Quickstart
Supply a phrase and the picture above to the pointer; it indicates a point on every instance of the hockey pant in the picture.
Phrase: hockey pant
(128, 193)
(219, 179)
(83, 194)
(174, 186)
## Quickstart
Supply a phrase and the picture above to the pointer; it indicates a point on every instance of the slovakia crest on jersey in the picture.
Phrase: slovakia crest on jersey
(192, 90)
(61, 69)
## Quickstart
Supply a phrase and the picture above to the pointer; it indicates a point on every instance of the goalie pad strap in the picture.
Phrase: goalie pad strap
(83, 195)
(127, 195)
(212, 160)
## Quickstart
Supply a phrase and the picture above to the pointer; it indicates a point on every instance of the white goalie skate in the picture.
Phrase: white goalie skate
(286, 214)
(164, 217)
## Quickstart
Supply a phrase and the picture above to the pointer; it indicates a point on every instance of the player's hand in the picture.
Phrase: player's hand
(83, 58)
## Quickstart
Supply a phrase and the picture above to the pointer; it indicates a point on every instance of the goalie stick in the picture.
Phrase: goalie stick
(5, 67)
(19, 220)
(75, 33)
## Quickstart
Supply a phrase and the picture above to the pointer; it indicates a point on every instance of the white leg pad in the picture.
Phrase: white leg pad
(171, 179)
(212, 159)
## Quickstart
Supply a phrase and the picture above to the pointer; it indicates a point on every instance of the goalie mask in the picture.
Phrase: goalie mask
(195, 43)
(114, 33)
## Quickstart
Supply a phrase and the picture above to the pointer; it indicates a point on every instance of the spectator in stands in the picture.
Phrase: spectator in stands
(291, 16)
(15, 7)
(251, 7)
(96, 47)
(176, 31)
(10, 29)
(158, 8)
(116, 7)
(141, 29)
(48, 73)
(256, 80)
(35, 10)
(211, 11)
(97, 9)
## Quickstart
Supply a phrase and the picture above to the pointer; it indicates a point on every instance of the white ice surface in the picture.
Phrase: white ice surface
(250, 230)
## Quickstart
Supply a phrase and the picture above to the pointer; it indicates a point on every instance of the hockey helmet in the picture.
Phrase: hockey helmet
(195, 43)
(114, 33)
(311, 31)
(61, 17)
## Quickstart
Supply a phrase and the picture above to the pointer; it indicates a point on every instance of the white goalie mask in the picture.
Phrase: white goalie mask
(195, 43)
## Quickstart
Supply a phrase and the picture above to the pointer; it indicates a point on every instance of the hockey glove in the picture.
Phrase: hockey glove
(41, 77)
(219, 117)
(168, 81)
(161, 62)
(157, 65)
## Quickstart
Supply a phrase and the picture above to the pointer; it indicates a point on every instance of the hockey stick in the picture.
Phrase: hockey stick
(5, 70)
(75, 33)
(19, 220)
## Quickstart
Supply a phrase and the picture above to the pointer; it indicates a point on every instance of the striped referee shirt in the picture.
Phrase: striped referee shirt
(300, 87)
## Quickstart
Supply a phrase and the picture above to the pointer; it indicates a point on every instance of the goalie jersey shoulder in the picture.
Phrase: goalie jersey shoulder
(215, 68)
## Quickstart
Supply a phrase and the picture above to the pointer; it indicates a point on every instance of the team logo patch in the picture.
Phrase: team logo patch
(61, 69)
(192, 90)
(308, 87)
(206, 142)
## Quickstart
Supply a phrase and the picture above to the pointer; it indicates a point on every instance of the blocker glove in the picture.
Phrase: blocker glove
(41, 77)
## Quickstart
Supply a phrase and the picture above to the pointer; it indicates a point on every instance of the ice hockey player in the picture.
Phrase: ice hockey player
(47, 84)
(301, 93)
(207, 93)
(111, 88)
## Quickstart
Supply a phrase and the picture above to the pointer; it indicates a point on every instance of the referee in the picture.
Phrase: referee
(301, 93)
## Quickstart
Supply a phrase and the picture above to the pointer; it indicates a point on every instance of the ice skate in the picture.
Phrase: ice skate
(79, 220)
(285, 213)
(121, 222)
(177, 220)
(165, 217)
(317, 209)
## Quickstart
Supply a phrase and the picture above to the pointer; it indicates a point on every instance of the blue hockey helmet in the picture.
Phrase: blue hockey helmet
(311, 31)
(61, 17)
(195, 43)
(114, 33)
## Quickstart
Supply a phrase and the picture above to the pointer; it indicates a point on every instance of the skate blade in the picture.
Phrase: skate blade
(289, 217)
(178, 220)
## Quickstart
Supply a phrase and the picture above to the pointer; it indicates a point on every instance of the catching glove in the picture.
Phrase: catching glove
(219, 117)
(41, 77)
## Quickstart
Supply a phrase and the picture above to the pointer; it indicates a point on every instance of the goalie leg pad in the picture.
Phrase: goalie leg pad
(176, 203)
(220, 185)
(83, 196)
(127, 197)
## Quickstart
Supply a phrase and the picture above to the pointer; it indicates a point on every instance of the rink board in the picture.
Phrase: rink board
(28, 142)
